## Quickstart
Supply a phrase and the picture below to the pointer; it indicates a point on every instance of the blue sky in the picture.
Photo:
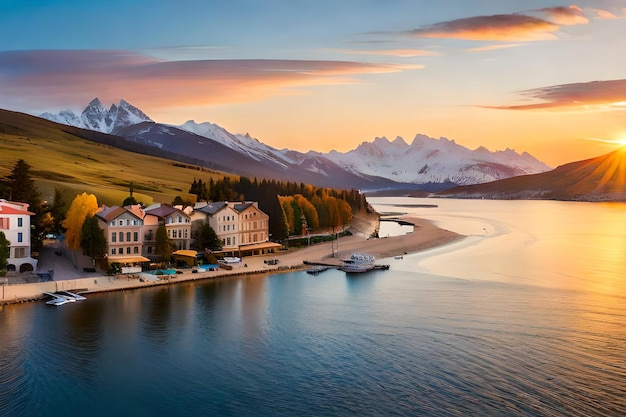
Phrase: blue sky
(545, 77)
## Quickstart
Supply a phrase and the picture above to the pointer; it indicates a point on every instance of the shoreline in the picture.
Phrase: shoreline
(425, 236)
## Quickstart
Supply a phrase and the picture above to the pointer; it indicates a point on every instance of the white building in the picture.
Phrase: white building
(15, 224)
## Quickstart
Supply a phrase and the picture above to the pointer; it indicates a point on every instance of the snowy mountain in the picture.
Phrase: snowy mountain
(96, 117)
(243, 144)
(381, 164)
(435, 160)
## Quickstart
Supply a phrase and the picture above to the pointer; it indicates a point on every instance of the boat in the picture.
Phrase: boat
(70, 295)
(63, 297)
(358, 263)
(57, 301)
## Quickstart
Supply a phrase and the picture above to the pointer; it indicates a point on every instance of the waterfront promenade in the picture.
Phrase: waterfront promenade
(67, 277)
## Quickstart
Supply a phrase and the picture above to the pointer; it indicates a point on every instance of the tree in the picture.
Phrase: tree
(206, 238)
(47, 223)
(57, 210)
(129, 201)
(5, 253)
(21, 188)
(163, 245)
(178, 201)
(83, 206)
(92, 239)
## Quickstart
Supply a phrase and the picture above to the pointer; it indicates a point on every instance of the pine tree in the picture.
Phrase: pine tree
(22, 188)
(163, 245)
(58, 211)
(92, 239)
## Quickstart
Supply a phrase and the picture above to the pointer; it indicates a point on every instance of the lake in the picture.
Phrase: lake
(525, 316)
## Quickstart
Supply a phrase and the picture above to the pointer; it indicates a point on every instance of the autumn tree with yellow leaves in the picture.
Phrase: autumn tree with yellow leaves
(84, 205)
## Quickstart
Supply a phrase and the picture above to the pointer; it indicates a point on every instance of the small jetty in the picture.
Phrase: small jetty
(318, 269)
(59, 298)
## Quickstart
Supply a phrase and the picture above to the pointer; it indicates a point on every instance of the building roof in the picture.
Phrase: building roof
(212, 208)
(13, 207)
(163, 210)
(108, 214)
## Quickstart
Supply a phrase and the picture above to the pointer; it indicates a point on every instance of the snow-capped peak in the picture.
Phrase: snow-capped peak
(96, 117)
(434, 160)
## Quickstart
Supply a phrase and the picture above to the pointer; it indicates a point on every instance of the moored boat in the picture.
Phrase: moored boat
(57, 301)
(358, 263)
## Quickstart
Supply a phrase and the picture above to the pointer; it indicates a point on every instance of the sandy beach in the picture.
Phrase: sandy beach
(425, 235)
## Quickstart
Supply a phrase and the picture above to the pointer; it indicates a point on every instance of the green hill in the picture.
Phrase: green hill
(77, 160)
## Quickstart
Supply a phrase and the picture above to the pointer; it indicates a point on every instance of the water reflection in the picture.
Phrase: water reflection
(547, 243)
(521, 327)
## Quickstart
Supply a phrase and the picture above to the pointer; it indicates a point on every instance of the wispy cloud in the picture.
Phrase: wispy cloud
(533, 25)
(50, 77)
(594, 95)
(572, 15)
(398, 53)
(504, 27)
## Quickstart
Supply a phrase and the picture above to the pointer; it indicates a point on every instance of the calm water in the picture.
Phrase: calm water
(527, 316)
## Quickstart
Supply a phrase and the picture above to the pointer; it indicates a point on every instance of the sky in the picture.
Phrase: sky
(540, 76)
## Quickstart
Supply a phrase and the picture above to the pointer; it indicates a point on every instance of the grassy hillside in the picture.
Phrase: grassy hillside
(597, 179)
(60, 158)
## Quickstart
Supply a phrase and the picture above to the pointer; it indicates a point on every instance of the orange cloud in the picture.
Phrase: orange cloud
(604, 95)
(604, 14)
(506, 27)
(572, 15)
(72, 77)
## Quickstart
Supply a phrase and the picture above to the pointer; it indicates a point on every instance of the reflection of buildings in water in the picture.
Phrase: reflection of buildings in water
(254, 307)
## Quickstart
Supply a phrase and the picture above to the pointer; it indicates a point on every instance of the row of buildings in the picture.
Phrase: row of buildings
(131, 231)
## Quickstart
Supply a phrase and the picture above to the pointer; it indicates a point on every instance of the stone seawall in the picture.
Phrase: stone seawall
(18, 293)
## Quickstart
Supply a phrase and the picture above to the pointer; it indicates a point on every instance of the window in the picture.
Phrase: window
(127, 222)
(4, 223)
(113, 251)
(20, 253)
(128, 250)
(113, 237)
(20, 237)
(149, 249)
(135, 236)
(179, 219)
(128, 236)
(121, 236)
(120, 222)
(19, 222)
(136, 249)
(112, 224)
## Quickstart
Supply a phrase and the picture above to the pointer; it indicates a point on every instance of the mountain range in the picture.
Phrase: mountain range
(597, 179)
(426, 163)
